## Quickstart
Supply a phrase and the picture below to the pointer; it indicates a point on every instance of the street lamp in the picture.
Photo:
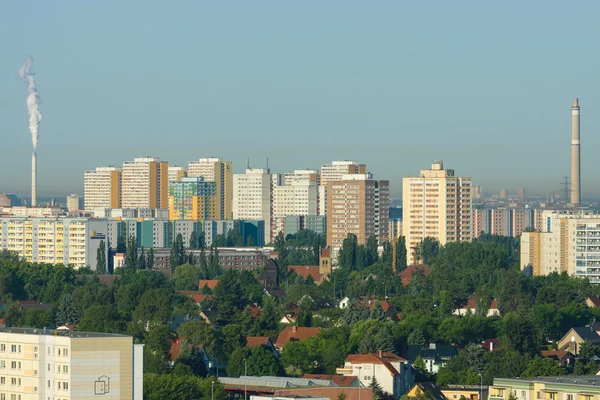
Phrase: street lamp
(245, 380)
(481, 387)
(212, 390)
(359, 382)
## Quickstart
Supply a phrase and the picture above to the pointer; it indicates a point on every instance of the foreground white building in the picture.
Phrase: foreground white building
(47, 364)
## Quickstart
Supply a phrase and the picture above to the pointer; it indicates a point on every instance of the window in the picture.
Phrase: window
(2, 347)
(48, 383)
(13, 381)
(13, 348)
(13, 365)
(66, 352)
(59, 352)
(2, 380)
(569, 397)
(65, 369)
(2, 364)
(48, 367)
(19, 348)
(66, 385)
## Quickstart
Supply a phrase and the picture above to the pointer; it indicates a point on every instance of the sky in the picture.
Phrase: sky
(486, 87)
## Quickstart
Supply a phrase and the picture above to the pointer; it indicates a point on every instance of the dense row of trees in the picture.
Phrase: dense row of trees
(141, 303)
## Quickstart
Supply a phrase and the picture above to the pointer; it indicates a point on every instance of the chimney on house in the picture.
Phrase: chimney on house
(380, 353)
(294, 328)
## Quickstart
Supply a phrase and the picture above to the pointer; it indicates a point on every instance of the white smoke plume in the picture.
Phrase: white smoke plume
(33, 101)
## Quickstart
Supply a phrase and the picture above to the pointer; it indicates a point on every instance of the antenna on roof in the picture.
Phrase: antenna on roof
(247, 163)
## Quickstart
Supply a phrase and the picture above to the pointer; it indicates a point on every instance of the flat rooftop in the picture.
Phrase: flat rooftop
(581, 380)
(54, 332)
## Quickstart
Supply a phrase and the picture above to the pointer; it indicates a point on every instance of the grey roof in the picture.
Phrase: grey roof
(53, 332)
(441, 351)
(275, 382)
(587, 334)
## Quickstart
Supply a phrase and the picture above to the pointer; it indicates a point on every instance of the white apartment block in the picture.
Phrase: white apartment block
(436, 204)
(252, 197)
(176, 173)
(64, 365)
(204, 167)
(144, 183)
(68, 241)
(102, 188)
(297, 196)
(74, 202)
(569, 242)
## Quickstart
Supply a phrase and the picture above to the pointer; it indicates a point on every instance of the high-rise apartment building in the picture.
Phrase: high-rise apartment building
(74, 202)
(102, 188)
(176, 173)
(252, 194)
(357, 204)
(334, 172)
(193, 199)
(569, 242)
(216, 170)
(503, 194)
(68, 241)
(504, 221)
(436, 204)
(144, 183)
(298, 196)
(49, 364)
(521, 194)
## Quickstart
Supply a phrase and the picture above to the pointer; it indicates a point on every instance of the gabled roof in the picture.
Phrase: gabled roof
(176, 349)
(431, 389)
(340, 380)
(594, 300)
(255, 341)
(556, 354)
(307, 270)
(211, 283)
(406, 274)
(384, 358)
(293, 333)
(586, 333)
(196, 296)
(472, 303)
(428, 351)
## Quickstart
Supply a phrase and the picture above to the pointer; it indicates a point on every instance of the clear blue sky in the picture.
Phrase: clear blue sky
(485, 86)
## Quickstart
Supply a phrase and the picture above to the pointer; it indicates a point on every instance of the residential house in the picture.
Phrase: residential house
(208, 283)
(563, 358)
(471, 307)
(264, 341)
(576, 336)
(25, 305)
(344, 303)
(196, 296)
(388, 309)
(176, 349)
(294, 333)
(392, 372)
(177, 320)
(407, 274)
(340, 380)
(490, 344)
(592, 301)
(426, 388)
(435, 355)
(287, 320)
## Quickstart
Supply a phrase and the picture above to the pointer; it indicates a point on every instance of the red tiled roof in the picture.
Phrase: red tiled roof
(406, 275)
(254, 311)
(176, 349)
(472, 303)
(295, 333)
(376, 358)
(196, 296)
(255, 341)
(305, 270)
(211, 283)
(1, 321)
(340, 380)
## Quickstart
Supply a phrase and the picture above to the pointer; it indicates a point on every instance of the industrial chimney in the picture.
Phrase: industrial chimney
(33, 179)
(575, 156)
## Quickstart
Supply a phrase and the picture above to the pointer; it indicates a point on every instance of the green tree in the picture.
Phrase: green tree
(250, 242)
(101, 258)
(401, 253)
(416, 338)
(541, 366)
(428, 249)
(233, 338)
(520, 333)
(258, 362)
(103, 319)
(158, 339)
(154, 308)
(198, 332)
(230, 297)
(420, 365)
(131, 255)
(586, 350)
(66, 313)
(347, 256)
(192, 358)
(150, 262)
(177, 252)
(372, 252)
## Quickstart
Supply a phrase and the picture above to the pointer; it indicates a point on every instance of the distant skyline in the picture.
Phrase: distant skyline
(485, 87)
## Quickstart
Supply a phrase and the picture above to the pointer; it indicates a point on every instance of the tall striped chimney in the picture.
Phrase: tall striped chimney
(575, 156)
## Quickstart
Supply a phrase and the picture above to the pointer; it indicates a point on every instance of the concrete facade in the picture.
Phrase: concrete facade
(102, 188)
(144, 183)
(436, 204)
(216, 170)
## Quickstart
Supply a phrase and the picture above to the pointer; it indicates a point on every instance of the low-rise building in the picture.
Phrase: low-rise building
(547, 387)
(471, 308)
(295, 333)
(573, 339)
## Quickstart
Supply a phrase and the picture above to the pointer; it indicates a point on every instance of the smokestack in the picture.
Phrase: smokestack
(33, 179)
(575, 156)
